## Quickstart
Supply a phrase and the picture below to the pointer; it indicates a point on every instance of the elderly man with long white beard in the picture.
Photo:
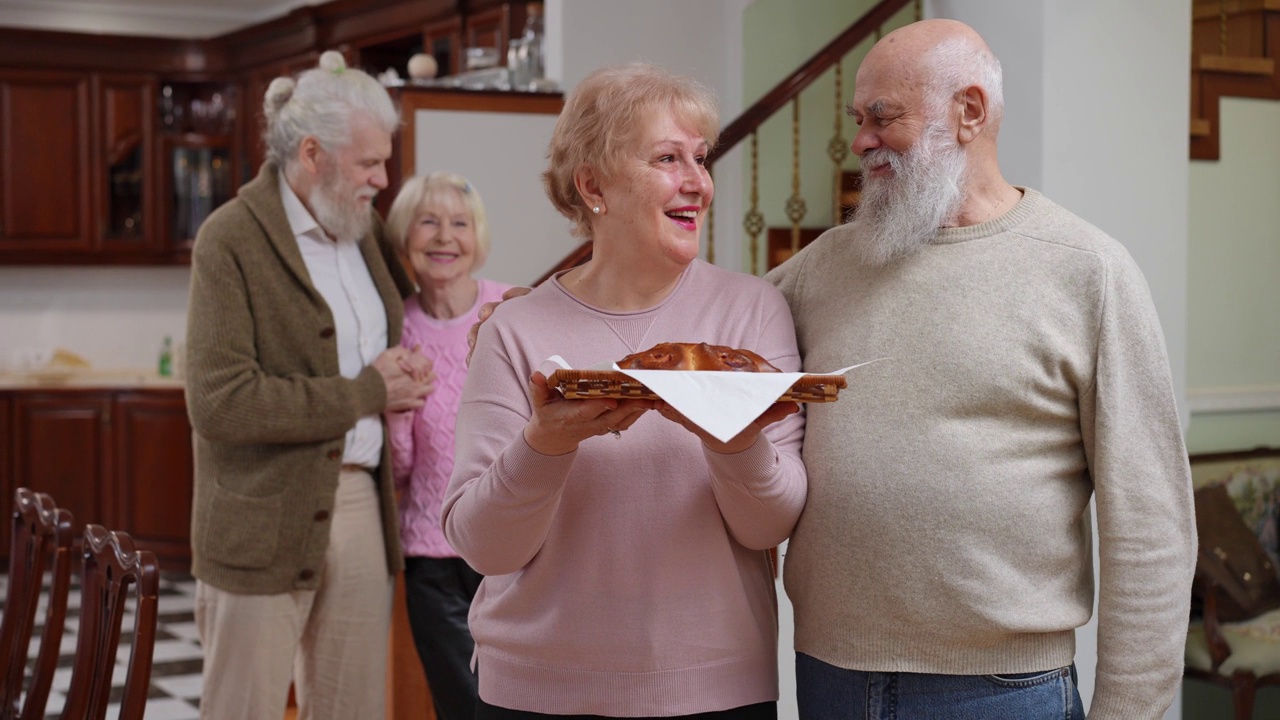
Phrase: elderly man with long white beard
(292, 335)
(943, 560)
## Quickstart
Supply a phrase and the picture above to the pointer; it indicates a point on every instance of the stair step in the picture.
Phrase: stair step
(778, 243)
(1237, 65)
(1200, 127)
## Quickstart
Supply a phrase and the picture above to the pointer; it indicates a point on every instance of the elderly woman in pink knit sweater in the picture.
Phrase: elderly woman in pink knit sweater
(440, 224)
(625, 551)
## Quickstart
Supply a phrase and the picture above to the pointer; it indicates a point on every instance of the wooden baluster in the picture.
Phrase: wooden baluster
(1222, 27)
(796, 209)
(711, 223)
(838, 148)
(753, 221)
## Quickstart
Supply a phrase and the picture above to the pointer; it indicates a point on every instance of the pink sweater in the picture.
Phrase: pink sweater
(422, 441)
(628, 578)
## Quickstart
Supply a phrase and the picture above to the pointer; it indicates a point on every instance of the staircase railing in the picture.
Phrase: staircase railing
(748, 123)
(1235, 52)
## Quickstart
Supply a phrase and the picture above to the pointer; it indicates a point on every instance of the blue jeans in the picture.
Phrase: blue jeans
(826, 692)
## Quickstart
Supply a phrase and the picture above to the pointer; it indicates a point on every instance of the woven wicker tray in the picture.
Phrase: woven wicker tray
(614, 384)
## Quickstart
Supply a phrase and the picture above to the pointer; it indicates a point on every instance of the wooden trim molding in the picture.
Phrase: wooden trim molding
(414, 99)
(1258, 453)
(1232, 399)
(1212, 9)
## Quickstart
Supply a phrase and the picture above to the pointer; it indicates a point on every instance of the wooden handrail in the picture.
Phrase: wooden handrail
(795, 83)
(580, 254)
(764, 108)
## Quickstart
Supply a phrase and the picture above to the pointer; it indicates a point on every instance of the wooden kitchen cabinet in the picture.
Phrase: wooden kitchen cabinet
(153, 473)
(44, 161)
(6, 475)
(118, 458)
(78, 169)
(62, 446)
(124, 176)
(255, 85)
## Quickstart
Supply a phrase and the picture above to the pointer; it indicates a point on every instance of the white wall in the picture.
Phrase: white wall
(115, 317)
(1102, 89)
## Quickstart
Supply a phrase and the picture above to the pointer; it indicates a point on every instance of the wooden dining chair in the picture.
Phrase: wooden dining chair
(113, 569)
(42, 539)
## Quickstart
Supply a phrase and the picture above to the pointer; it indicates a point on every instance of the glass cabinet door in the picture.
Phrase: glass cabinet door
(200, 181)
(126, 193)
(125, 216)
(198, 122)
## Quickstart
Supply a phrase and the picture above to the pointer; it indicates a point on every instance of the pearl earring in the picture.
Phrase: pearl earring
(596, 209)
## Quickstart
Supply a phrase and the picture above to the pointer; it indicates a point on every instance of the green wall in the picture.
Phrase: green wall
(1234, 279)
(779, 35)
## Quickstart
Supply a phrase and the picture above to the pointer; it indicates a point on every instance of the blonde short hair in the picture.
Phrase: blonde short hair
(604, 118)
(419, 190)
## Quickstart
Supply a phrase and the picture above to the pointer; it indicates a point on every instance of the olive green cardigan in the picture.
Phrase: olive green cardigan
(268, 405)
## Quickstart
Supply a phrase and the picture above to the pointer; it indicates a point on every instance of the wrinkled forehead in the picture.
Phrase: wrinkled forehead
(885, 80)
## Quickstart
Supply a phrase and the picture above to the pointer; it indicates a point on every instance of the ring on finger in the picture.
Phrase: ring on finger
(616, 433)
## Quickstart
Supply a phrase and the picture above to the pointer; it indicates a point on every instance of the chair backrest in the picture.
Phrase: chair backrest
(42, 539)
(111, 568)
(1252, 480)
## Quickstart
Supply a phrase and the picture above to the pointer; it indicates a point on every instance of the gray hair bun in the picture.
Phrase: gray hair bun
(333, 61)
(278, 94)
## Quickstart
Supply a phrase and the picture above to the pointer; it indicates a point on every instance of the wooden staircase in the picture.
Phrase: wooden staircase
(782, 94)
(778, 240)
(1235, 52)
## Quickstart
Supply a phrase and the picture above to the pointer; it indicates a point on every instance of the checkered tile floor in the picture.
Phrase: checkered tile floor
(175, 675)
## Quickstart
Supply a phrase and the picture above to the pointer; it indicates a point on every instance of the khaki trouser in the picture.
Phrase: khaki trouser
(331, 642)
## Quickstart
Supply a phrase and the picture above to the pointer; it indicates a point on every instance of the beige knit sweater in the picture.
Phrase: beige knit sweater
(946, 528)
(268, 405)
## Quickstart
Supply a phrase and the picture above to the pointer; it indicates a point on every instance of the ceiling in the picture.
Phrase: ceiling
(160, 18)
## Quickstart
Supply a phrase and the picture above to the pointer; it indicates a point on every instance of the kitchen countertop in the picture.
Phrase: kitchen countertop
(88, 380)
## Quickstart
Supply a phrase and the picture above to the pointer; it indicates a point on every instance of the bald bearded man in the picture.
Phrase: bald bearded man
(943, 560)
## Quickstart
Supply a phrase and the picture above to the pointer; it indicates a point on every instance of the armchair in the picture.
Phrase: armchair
(1234, 637)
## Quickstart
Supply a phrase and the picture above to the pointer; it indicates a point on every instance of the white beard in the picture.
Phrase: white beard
(338, 208)
(900, 214)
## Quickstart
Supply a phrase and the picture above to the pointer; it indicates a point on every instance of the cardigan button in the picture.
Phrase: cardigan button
(321, 515)
(306, 575)
(326, 333)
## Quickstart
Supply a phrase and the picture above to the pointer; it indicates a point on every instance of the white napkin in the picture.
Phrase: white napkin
(722, 403)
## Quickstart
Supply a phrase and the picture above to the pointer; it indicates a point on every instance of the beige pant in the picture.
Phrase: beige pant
(331, 642)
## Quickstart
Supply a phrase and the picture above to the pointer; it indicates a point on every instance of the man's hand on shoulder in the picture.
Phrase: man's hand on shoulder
(486, 310)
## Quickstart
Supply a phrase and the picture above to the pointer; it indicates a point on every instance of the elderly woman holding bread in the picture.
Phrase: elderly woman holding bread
(625, 550)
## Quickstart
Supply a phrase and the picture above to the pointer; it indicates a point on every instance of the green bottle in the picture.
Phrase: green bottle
(166, 358)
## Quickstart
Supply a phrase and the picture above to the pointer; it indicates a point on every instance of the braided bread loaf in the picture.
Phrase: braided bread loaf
(695, 356)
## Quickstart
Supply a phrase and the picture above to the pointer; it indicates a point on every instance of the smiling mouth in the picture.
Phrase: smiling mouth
(442, 257)
(687, 218)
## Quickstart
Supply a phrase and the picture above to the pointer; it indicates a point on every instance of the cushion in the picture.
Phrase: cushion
(1254, 643)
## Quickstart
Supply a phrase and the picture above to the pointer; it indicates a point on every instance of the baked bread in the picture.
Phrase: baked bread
(696, 356)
